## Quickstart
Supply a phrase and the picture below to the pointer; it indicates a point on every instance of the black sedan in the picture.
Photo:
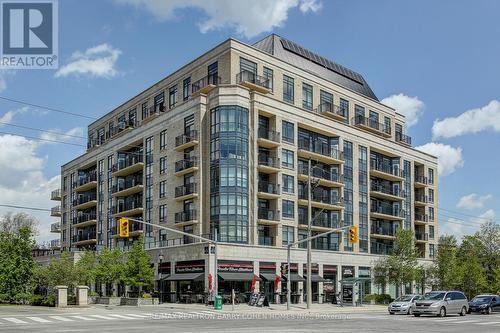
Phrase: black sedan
(484, 304)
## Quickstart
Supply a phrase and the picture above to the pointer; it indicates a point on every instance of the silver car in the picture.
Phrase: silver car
(441, 303)
(404, 304)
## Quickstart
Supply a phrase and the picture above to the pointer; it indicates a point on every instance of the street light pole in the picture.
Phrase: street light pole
(160, 259)
(309, 221)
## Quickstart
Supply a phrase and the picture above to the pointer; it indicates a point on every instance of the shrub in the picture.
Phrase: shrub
(93, 294)
(37, 300)
(49, 300)
(370, 297)
(146, 295)
(383, 298)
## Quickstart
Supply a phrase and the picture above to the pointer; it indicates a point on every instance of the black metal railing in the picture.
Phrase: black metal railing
(85, 217)
(266, 240)
(133, 227)
(318, 172)
(421, 179)
(386, 209)
(55, 211)
(386, 190)
(264, 133)
(268, 214)
(320, 147)
(129, 182)
(269, 161)
(205, 82)
(380, 248)
(86, 178)
(329, 108)
(423, 236)
(186, 216)
(322, 197)
(421, 217)
(133, 203)
(128, 160)
(371, 123)
(422, 198)
(387, 230)
(123, 125)
(55, 227)
(394, 170)
(186, 189)
(268, 187)
(84, 198)
(84, 236)
(186, 138)
(320, 220)
(247, 76)
(55, 195)
(403, 138)
(186, 164)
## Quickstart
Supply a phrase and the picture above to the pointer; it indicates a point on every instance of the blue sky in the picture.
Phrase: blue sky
(433, 60)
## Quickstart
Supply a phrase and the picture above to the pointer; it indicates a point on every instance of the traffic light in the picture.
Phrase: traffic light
(353, 234)
(284, 269)
(123, 222)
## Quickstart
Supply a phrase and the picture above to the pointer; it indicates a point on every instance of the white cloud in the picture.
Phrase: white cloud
(9, 115)
(56, 135)
(449, 158)
(471, 121)
(410, 107)
(461, 227)
(473, 201)
(4, 73)
(22, 181)
(248, 18)
(97, 61)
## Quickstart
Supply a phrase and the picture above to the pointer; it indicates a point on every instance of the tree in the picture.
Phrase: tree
(86, 268)
(138, 271)
(110, 266)
(59, 272)
(445, 273)
(472, 274)
(488, 238)
(16, 263)
(13, 223)
(400, 266)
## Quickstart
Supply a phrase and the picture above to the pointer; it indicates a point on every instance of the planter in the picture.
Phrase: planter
(139, 301)
(108, 300)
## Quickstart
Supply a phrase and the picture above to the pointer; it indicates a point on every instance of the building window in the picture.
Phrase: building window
(248, 66)
(172, 96)
(287, 235)
(387, 125)
(431, 250)
(163, 188)
(431, 232)
(185, 88)
(268, 74)
(287, 158)
(288, 87)
(431, 176)
(344, 107)
(359, 111)
(163, 139)
(325, 98)
(431, 213)
(307, 96)
(145, 112)
(163, 165)
(288, 184)
(288, 209)
(213, 73)
(159, 103)
(162, 213)
(132, 117)
(288, 132)
(431, 195)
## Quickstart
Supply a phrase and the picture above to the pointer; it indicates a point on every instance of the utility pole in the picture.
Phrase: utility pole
(309, 221)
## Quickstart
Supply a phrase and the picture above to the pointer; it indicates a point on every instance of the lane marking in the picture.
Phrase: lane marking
(490, 323)
(40, 320)
(122, 316)
(60, 318)
(83, 318)
(102, 317)
(15, 320)
(137, 315)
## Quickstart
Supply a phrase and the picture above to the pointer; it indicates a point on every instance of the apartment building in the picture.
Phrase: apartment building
(222, 147)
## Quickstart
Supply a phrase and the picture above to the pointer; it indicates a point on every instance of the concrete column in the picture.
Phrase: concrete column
(173, 284)
(300, 271)
(278, 286)
(103, 289)
(115, 290)
(82, 296)
(320, 284)
(61, 296)
(256, 271)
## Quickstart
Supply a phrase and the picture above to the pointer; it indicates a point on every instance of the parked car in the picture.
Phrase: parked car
(403, 304)
(484, 304)
(441, 303)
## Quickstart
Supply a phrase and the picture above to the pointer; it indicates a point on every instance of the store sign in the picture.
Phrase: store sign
(196, 266)
(236, 266)
(347, 272)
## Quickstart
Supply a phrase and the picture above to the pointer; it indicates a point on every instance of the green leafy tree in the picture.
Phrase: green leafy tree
(445, 273)
(400, 266)
(472, 273)
(59, 272)
(16, 262)
(138, 271)
(86, 268)
(110, 266)
(488, 238)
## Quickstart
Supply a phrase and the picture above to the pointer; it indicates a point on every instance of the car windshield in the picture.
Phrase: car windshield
(433, 296)
(481, 299)
(405, 298)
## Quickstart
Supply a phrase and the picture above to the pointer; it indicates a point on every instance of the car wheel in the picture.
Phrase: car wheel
(410, 311)
(463, 311)
(416, 314)
(488, 310)
(391, 313)
(469, 311)
(442, 312)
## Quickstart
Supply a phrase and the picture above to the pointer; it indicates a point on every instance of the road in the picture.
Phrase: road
(129, 319)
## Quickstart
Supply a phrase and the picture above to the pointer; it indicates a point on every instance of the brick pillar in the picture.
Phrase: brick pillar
(61, 296)
(82, 295)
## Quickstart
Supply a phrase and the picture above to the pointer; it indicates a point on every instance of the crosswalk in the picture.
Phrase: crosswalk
(48, 319)
(480, 320)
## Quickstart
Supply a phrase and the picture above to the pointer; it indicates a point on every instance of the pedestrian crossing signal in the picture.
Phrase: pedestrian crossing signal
(353, 234)
(124, 227)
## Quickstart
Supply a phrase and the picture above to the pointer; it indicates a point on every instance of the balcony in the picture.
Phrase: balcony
(331, 111)
(267, 138)
(421, 181)
(133, 162)
(122, 128)
(386, 212)
(186, 140)
(84, 220)
(266, 241)
(55, 244)
(421, 237)
(386, 192)
(321, 200)
(187, 191)
(128, 208)
(253, 82)
(326, 178)
(86, 181)
(153, 112)
(85, 201)
(55, 195)
(268, 164)
(268, 190)
(319, 151)
(135, 229)
(380, 248)
(386, 171)
(268, 216)
(319, 222)
(421, 218)
(421, 200)
(371, 125)
(55, 211)
(84, 238)
(383, 232)
(186, 166)
(205, 85)
(186, 217)
(55, 227)
(403, 139)
(128, 187)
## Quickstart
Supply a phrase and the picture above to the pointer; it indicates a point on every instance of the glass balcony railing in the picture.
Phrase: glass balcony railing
(186, 189)
(321, 148)
(268, 214)
(205, 82)
(266, 134)
(389, 169)
(268, 187)
(85, 217)
(387, 190)
(250, 77)
(128, 160)
(186, 138)
(186, 164)
(186, 216)
(84, 198)
(321, 173)
(269, 161)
